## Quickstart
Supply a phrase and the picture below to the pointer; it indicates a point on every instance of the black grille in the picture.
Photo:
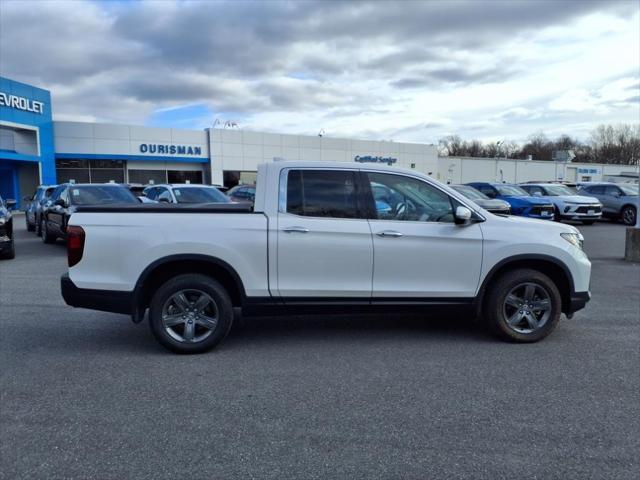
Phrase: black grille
(586, 208)
(539, 210)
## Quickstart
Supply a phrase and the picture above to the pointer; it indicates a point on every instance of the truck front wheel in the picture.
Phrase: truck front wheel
(190, 313)
(523, 306)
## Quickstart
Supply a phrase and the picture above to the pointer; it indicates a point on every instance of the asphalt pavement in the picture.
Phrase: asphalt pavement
(90, 395)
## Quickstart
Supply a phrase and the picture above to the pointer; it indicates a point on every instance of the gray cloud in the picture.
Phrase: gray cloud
(105, 59)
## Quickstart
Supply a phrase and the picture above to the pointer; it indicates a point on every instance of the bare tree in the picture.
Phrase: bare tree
(619, 144)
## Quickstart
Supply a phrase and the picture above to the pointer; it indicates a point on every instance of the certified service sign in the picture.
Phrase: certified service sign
(371, 159)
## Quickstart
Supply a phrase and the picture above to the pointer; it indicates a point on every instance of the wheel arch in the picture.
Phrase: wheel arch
(168, 267)
(632, 205)
(555, 269)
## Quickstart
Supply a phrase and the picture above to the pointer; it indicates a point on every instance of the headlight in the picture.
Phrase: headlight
(574, 238)
(1, 221)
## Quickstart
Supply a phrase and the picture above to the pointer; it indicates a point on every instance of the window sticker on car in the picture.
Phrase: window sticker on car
(75, 192)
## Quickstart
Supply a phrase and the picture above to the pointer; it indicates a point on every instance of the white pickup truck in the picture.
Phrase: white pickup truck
(324, 237)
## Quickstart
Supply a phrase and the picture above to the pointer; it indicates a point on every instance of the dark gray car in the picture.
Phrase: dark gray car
(34, 205)
(493, 205)
(619, 200)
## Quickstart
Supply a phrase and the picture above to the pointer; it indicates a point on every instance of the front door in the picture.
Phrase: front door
(57, 212)
(419, 252)
(324, 242)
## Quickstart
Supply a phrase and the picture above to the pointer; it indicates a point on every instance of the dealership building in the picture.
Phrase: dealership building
(35, 149)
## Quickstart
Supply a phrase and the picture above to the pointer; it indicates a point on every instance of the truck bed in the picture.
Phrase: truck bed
(168, 208)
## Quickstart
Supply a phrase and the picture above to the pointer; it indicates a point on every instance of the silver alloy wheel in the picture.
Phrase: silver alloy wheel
(190, 316)
(527, 307)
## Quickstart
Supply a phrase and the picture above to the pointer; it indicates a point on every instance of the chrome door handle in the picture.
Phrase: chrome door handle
(389, 233)
(295, 230)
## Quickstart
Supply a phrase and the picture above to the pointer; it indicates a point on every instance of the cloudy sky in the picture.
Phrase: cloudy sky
(406, 71)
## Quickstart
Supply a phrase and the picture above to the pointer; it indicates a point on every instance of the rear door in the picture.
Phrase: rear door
(419, 252)
(613, 198)
(324, 242)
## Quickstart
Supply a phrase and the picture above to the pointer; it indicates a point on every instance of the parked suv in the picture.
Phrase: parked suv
(521, 202)
(618, 200)
(243, 194)
(33, 209)
(66, 198)
(568, 204)
(492, 205)
(7, 249)
(185, 193)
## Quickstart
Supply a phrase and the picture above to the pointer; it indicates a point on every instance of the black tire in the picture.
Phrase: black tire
(628, 215)
(9, 254)
(588, 222)
(191, 282)
(495, 305)
(46, 236)
(30, 226)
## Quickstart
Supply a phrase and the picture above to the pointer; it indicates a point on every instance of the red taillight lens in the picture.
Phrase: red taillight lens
(75, 244)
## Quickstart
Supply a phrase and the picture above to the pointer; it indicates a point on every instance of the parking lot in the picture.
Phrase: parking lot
(91, 395)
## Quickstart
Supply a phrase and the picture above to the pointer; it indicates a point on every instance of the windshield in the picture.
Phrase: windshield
(470, 192)
(629, 189)
(557, 190)
(510, 190)
(100, 195)
(200, 195)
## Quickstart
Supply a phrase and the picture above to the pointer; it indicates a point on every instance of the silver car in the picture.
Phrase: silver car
(618, 200)
(568, 204)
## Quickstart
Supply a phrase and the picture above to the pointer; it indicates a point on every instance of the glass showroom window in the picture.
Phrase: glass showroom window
(90, 171)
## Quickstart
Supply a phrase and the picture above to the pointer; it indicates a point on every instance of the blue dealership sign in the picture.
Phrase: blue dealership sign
(170, 149)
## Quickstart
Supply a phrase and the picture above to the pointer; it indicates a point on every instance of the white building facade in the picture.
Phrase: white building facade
(454, 170)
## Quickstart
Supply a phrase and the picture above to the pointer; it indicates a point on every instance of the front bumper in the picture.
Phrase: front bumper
(577, 301)
(114, 301)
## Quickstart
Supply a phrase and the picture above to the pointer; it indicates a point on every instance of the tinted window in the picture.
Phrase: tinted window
(557, 190)
(56, 193)
(322, 193)
(533, 190)
(611, 190)
(629, 189)
(200, 195)
(469, 192)
(164, 194)
(100, 195)
(511, 190)
(398, 197)
(487, 190)
(597, 190)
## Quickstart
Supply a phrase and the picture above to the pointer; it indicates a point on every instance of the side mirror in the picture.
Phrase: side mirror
(163, 200)
(537, 194)
(463, 215)
(60, 202)
(10, 203)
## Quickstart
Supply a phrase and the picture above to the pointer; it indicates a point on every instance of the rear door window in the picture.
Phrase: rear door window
(322, 193)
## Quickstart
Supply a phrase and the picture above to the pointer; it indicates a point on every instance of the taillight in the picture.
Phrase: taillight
(75, 244)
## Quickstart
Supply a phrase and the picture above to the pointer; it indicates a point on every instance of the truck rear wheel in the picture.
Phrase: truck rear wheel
(523, 306)
(190, 313)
